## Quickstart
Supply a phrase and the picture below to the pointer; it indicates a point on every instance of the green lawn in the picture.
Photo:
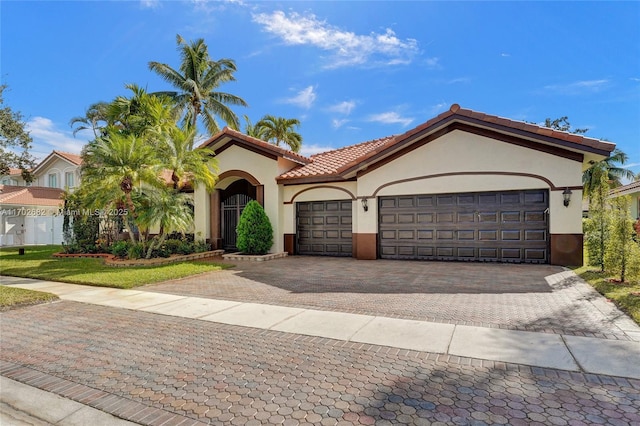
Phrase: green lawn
(11, 297)
(625, 296)
(37, 262)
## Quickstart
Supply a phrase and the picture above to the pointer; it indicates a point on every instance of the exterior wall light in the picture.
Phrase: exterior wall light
(566, 196)
(365, 204)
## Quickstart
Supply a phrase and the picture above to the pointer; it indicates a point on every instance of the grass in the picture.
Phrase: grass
(37, 262)
(625, 295)
(12, 297)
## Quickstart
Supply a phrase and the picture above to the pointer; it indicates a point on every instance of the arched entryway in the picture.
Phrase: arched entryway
(235, 189)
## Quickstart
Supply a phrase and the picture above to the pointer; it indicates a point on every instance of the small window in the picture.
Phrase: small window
(68, 179)
(53, 180)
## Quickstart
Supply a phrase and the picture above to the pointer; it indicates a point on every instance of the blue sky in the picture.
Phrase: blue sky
(350, 71)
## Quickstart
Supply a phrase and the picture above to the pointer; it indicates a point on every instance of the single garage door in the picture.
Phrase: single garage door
(509, 226)
(324, 228)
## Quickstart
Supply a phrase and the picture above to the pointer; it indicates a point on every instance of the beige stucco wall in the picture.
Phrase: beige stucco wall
(58, 167)
(464, 152)
(262, 169)
(319, 192)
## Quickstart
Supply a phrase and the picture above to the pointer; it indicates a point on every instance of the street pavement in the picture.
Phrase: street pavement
(159, 358)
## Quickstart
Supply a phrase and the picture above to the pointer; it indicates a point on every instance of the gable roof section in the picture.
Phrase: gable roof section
(228, 137)
(559, 143)
(73, 159)
(30, 196)
(628, 189)
(327, 164)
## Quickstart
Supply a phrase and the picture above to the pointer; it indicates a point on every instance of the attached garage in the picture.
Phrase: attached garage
(499, 226)
(464, 186)
(324, 228)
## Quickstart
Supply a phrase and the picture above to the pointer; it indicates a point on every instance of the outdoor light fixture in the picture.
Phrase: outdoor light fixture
(365, 204)
(566, 196)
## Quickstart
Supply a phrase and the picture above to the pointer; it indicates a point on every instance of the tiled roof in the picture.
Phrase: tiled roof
(341, 161)
(266, 146)
(328, 163)
(74, 158)
(30, 195)
(627, 189)
(14, 172)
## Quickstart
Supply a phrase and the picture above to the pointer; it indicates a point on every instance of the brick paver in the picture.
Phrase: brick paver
(156, 369)
(509, 296)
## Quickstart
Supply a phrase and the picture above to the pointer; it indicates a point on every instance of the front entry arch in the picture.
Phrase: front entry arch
(227, 205)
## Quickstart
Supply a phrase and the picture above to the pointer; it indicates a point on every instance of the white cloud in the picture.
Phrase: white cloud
(433, 63)
(344, 107)
(390, 117)
(337, 123)
(347, 48)
(459, 80)
(304, 98)
(579, 87)
(505, 55)
(150, 4)
(308, 150)
(47, 137)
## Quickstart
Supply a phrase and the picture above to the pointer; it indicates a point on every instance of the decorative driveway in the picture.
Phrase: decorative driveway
(163, 370)
(519, 297)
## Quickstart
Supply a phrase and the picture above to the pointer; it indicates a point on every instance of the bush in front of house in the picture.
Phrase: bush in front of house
(255, 234)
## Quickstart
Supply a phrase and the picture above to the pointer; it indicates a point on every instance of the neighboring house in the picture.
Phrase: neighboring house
(58, 170)
(462, 186)
(633, 190)
(13, 178)
(29, 213)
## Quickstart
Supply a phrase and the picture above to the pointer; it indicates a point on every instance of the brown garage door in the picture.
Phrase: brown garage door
(324, 228)
(510, 226)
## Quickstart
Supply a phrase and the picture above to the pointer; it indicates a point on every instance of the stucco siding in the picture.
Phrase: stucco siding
(464, 162)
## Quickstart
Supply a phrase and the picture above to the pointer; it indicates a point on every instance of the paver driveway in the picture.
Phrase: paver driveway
(519, 297)
(162, 370)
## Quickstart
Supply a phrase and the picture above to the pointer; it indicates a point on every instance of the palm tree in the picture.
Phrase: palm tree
(615, 174)
(197, 80)
(114, 166)
(168, 209)
(95, 119)
(279, 129)
(186, 163)
(250, 129)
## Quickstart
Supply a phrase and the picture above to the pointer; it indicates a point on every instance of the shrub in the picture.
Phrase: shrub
(173, 245)
(201, 246)
(255, 234)
(136, 251)
(120, 249)
(621, 254)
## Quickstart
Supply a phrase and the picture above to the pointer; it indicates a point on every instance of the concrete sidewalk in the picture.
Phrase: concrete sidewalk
(19, 404)
(571, 353)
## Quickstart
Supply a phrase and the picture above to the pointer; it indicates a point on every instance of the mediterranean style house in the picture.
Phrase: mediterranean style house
(463, 186)
(633, 190)
(29, 212)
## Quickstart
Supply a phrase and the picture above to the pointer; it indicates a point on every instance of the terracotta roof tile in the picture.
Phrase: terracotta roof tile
(328, 163)
(626, 189)
(30, 195)
(285, 153)
(334, 163)
(74, 158)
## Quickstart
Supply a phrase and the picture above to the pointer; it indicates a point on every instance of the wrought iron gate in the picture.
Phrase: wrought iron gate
(231, 209)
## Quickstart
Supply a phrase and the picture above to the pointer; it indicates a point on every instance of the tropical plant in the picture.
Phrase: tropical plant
(622, 253)
(614, 174)
(177, 154)
(596, 227)
(95, 119)
(169, 210)
(255, 234)
(114, 168)
(279, 130)
(196, 82)
(14, 138)
(250, 129)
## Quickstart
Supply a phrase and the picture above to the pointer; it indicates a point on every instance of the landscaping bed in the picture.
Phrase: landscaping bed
(39, 262)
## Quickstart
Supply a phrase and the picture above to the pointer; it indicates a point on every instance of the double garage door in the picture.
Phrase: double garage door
(510, 226)
(324, 228)
(505, 226)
